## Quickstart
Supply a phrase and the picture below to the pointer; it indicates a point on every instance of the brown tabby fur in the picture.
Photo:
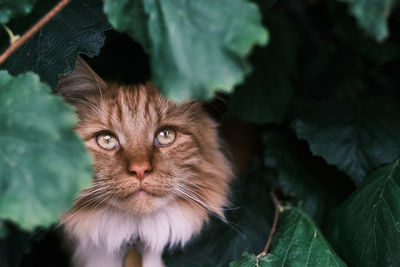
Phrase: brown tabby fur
(192, 173)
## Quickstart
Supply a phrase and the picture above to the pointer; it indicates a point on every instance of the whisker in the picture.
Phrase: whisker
(191, 191)
(203, 190)
(186, 195)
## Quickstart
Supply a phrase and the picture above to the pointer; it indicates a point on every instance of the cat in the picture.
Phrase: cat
(159, 171)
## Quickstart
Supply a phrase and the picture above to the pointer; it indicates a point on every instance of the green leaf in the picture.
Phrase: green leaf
(130, 17)
(42, 161)
(250, 260)
(352, 40)
(367, 226)
(78, 28)
(265, 96)
(14, 8)
(372, 16)
(297, 242)
(195, 47)
(356, 135)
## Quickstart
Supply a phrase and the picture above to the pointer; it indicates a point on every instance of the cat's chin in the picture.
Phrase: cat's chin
(142, 203)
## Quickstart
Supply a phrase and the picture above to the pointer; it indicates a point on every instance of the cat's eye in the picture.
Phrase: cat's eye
(107, 141)
(165, 136)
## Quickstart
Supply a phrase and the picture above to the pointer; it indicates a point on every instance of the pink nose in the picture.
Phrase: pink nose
(140, 170)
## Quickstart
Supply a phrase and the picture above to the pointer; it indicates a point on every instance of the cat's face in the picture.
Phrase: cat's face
(148, 152)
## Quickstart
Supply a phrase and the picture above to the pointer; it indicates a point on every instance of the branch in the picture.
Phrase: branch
(275, 223)
(14, 46)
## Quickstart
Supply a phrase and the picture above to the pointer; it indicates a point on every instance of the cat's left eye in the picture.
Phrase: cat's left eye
(165, 136)
(107, 141)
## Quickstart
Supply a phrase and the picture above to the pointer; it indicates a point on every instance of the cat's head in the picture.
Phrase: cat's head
(148, 151)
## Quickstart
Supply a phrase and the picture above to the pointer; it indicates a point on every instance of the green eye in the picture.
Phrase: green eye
(165, 136)
(107, 141)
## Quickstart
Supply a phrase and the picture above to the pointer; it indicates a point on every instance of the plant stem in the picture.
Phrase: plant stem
(14, 46)
(11, 35)
(275, 223)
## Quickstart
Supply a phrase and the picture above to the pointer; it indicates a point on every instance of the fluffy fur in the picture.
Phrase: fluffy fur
(187, 180)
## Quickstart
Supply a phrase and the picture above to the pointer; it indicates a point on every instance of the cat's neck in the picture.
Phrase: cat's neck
(111, 230)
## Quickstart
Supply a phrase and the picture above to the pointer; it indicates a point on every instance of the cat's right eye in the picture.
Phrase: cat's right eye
(165, 136)
(107, 141)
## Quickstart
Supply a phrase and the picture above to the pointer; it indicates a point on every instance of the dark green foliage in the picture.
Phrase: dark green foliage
(366, 228)
(306, 179)
(324, 94)
(12, 246)
(199, 45)
(298, 242)
(247, 229)
(357, 135)
(76, 29)
(372, 16)
(14, 8)
(272, 79)
(250, 260)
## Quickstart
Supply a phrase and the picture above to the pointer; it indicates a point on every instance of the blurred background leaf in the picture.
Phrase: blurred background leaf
(13, 245)
(372, 16)
(272, 77)
(195, 47)
(43, 163)
(307, 180)
(356, 135)
(14, 8)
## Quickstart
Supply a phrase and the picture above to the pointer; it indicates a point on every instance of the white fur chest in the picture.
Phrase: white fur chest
(109, 230)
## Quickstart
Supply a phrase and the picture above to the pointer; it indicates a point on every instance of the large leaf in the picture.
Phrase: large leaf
(355, 135)
(195, 47)
(42, 162)
(367, 226)
(14, 8)
(270, 83)
(78, 28)
(372, 16)
(297, 242)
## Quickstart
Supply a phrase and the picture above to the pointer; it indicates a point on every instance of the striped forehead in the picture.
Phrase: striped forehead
(134, 109)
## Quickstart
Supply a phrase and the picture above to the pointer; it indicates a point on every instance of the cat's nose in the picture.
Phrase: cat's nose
(140, 169)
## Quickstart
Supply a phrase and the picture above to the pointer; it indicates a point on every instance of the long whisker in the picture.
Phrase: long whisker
(195, 197)
(93, 191)
(205, 192)
(186, 195)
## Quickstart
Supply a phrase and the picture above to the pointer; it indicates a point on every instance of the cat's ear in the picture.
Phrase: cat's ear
(82, 83)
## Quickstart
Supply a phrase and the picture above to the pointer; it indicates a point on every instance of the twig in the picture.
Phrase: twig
(275, 223)
(13, 37)
(14, 46)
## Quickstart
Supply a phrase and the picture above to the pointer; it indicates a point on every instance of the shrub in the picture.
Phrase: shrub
(318, 78)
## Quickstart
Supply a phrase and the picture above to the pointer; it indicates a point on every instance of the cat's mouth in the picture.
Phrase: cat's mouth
(140, 193)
